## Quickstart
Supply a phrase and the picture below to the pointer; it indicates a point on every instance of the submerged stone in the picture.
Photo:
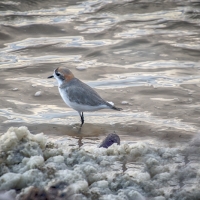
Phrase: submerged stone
(109, 140)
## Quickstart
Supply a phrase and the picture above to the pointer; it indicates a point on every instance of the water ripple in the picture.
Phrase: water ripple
(45, 115)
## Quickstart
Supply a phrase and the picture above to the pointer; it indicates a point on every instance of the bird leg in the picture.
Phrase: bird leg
(82, 118)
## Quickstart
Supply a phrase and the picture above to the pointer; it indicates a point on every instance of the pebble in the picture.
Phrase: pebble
(38, 93)
(124, 102)
(81, 68)
(15, 89)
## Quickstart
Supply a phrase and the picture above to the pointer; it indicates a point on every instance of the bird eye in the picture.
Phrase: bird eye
(57, 74)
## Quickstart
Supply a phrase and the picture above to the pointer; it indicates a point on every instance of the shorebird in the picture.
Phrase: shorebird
(78, 95)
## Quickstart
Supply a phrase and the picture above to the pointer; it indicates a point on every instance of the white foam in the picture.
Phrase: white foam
(9, 180)
(10, 195)
(127, 171)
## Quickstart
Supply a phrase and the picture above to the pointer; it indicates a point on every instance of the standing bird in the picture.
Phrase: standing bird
(77, 94)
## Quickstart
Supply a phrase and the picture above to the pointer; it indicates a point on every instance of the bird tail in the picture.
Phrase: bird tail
(115, 108)
(111, 105)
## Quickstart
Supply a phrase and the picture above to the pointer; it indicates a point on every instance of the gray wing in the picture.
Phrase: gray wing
(81, 93)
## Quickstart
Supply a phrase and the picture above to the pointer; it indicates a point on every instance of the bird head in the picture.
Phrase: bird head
(62, 75)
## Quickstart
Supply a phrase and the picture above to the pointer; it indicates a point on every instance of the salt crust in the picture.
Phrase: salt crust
(9, 195)
(127, 171)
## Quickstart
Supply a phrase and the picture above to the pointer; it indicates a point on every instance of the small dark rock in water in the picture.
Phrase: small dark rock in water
(109, 140)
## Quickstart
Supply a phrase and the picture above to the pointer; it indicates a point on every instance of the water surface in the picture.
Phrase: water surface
(142, 52)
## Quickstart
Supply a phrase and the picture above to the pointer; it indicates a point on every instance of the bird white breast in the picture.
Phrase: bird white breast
(76, 106)
(64, 96)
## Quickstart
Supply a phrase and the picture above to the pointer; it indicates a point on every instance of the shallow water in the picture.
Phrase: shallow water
(145, 53)
(142, 52)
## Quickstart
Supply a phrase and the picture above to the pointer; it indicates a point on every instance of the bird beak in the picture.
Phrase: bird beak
(50, 76)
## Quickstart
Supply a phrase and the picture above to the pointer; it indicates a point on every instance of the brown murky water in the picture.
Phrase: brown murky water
(142, 52)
